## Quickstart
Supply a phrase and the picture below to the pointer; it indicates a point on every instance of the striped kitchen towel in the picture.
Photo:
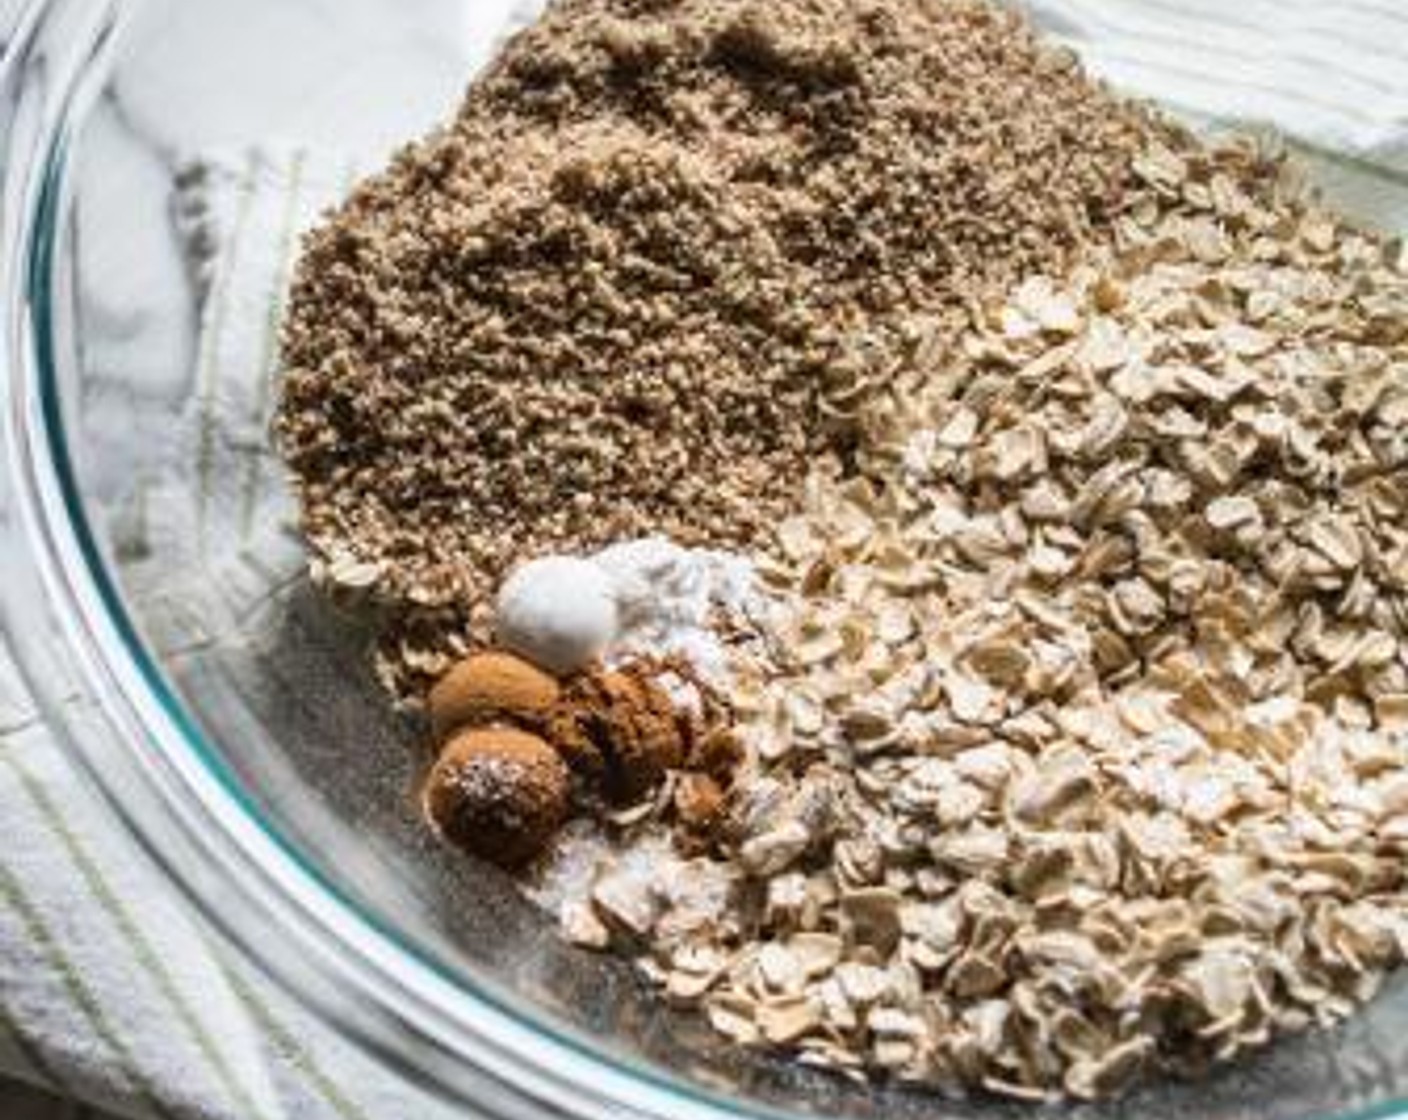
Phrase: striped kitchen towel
(114, 992)
(111, 989)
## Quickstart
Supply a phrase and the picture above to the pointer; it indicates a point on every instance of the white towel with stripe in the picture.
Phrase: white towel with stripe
(111, 990)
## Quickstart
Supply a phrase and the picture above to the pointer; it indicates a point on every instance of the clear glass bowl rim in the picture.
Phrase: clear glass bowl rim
(426, 1020)
(433, 1023)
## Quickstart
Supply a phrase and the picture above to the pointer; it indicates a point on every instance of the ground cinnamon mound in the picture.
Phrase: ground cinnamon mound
(498, 792)
(641, 280)
(493, 687)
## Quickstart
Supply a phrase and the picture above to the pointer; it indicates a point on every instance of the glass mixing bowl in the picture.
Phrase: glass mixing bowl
(226, 710)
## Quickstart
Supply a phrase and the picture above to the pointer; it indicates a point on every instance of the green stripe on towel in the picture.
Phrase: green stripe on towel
(142, 949)
(13, 895)
(283, 1040)
(32, 1056)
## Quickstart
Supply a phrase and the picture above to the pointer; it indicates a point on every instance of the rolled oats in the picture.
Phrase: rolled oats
(1106, 651)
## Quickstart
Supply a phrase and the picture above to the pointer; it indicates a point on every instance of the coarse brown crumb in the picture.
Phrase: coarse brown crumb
(699, 802)
(641, 281)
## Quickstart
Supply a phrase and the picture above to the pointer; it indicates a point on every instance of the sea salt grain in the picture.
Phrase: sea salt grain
(559, 612)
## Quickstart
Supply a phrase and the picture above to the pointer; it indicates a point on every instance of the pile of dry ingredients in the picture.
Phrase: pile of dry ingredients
(638, 283)
(1086, 756)
(1070, 457)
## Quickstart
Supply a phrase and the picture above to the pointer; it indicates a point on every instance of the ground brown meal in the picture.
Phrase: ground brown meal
(639, 280)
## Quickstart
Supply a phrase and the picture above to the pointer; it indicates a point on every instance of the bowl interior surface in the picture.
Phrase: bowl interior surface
(165, 385)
